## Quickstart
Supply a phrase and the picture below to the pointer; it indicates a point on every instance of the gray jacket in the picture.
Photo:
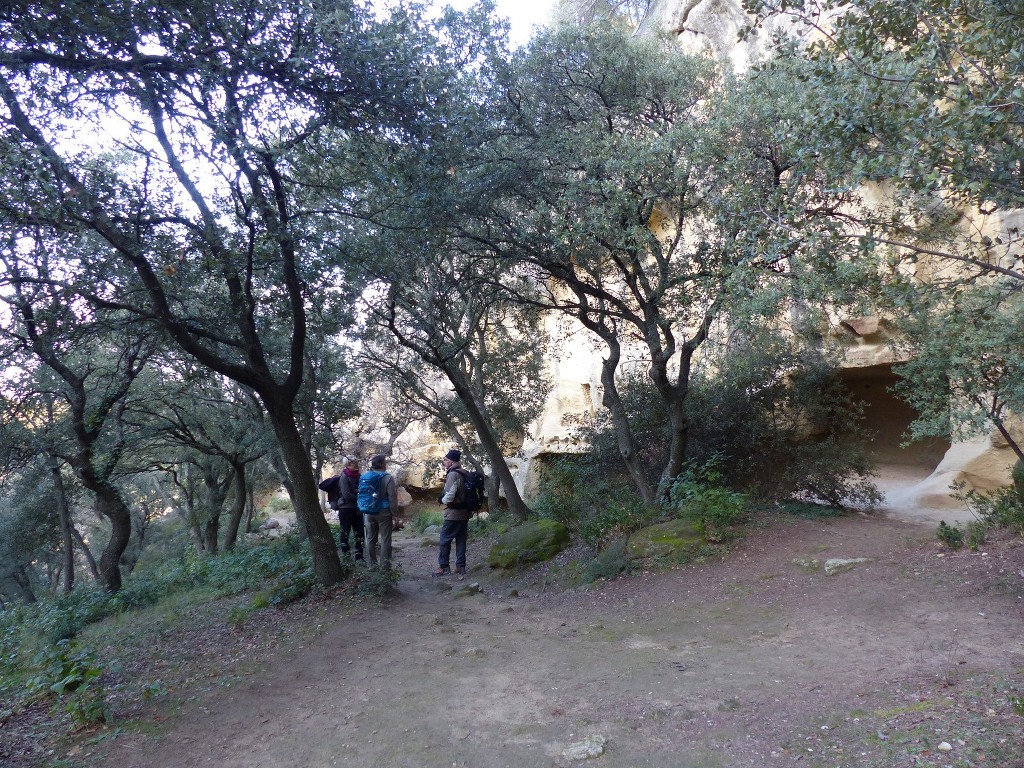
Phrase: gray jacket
(453, 484)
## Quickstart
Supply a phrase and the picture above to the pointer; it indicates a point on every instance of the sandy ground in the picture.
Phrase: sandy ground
(759, 659)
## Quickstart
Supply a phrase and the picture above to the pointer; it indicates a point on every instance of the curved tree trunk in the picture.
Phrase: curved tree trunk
(620, 422)
(237, 508)
(306, 497)
(110, 505)
(516, 505)
(64, 514)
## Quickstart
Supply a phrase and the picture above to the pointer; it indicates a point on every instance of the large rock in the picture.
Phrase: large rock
(531, 542)
(664, 539)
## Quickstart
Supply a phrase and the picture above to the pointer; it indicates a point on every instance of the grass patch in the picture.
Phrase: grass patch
(976, 720)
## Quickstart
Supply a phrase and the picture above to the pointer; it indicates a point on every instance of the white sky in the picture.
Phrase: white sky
(523, 15)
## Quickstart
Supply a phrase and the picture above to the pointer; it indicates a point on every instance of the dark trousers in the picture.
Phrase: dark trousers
(351, 521)
(457, 531)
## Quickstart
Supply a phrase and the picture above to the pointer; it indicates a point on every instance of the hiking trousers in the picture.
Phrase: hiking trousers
(378, 539)
(351, 522)
(457, 531)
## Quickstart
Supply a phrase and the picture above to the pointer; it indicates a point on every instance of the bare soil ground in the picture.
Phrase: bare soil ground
(913, 657)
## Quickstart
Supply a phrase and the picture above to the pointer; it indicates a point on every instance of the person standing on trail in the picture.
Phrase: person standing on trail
(456, 519)
(342, 487)
(377, 499)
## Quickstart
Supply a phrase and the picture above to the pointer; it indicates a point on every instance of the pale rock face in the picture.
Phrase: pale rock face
(713, 27)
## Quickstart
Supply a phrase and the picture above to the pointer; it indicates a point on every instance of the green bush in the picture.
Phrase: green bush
(999, 508)
(950, 535)
(74, 677)
(377, 583)
(611, 561)
(781, 420)
(975, 533)
(700, 494)
(284, 562)
(805, 510)
(592, 498)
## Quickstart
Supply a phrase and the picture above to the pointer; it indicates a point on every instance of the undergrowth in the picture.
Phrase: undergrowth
(38, 655)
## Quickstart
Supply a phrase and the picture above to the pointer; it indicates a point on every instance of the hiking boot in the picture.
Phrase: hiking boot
(460, 570)
(442, 571)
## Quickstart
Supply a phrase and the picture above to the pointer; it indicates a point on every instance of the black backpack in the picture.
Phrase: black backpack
(473, 493)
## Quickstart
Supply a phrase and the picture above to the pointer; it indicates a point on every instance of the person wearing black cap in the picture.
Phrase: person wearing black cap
(456, 519)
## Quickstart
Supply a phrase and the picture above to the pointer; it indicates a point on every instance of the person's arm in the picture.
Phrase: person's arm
(346, 493)
(392, 492)
(451, 486)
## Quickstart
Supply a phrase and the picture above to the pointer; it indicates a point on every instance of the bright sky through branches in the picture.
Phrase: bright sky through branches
(523, 15)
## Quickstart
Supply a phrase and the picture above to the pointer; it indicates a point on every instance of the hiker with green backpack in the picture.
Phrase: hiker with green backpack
(377, 499)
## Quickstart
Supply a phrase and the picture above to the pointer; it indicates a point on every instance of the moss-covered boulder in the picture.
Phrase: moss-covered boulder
(665, 539)
(531, 542)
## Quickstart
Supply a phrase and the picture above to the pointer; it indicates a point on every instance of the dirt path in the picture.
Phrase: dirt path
(753, 661)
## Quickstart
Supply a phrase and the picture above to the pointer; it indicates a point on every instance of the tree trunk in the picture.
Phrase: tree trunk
(64, 514)
(110, 505)
(620, 422)
(305, 497)
(674, 397)
(89, 559)
(217, 488)
(250, 507)
(24, 584)
(516, 505)
(237, 508)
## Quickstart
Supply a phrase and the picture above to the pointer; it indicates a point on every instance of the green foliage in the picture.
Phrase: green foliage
(967, 370)
(775, 416)
(925, 100)
(610, 562)
(1017, 475)
(29, 526)
(377, 583)
(276, 506)
(806, 510)
(997, 508)
(700, 493)
(426, 518)
(283, 563)
(950, 535)
(1017, 702)
(238, 615)
(975, 533)
(592, 498)
(933, 90)
(73, 676)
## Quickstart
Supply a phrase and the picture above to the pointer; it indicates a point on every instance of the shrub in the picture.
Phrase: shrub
(998, 508)
(592, 498)
(781, 420)
(74, 677)
(613, 560)
(976, 532)
(950, 535)
(285, 562)
(376, 583)
(700, 494)
(424, 519)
